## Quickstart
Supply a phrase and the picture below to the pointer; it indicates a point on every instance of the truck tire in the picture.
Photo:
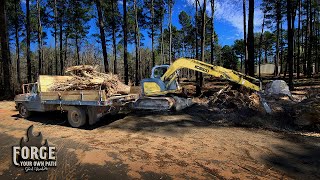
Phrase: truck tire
(76, 117)
(23, 111)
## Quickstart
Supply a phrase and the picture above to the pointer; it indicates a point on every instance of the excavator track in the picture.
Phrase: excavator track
(162, 103)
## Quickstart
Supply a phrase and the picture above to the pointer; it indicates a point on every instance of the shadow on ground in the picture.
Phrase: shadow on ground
(300, 161)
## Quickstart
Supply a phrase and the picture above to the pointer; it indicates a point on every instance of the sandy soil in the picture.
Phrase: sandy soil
(151, 145)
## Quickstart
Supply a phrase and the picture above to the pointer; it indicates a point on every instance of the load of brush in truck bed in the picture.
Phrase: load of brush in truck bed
(85, 77)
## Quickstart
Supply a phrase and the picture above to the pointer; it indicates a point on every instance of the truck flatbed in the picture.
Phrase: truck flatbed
(79, 103)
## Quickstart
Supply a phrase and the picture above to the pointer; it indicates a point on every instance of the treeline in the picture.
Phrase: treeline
(292, 45)
(291, 42)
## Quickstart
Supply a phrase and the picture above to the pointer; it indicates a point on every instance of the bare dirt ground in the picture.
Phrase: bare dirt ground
(161, 146)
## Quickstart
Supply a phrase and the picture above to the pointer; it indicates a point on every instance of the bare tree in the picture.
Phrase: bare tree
(102, 36)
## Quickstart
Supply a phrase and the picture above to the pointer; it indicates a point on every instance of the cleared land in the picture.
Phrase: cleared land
(199, 142)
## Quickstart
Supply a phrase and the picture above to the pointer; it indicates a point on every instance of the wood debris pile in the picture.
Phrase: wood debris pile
(86, 77)
(234, 99)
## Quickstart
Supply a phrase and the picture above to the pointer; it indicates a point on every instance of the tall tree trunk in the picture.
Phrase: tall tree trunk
(265, 56)
(241, 61)
(203, 26)
(39, 38)
(5, 49)
(16, 27)
(318, 42)
(28, 41)
(251, 39)
(212, 31)
(114, 45)
(61, 47)
(280, 50)
(197, 43)
(102, 36)
(260, 43)
(162, 48)
(306, 42)
(245, 37)
(78, 51)
(290, 43)
(278, 19)
(309, 60)
(152, 33)
(298, 40)
(136, 41)
(293, 18)
(55, 36)
(315, 40)
(125, 60)
(66, 47)
(170, 31)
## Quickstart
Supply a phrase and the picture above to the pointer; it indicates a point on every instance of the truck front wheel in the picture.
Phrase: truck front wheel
(23, 111)
(76, 117)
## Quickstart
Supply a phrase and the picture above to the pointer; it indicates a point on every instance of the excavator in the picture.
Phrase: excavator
(161, 90)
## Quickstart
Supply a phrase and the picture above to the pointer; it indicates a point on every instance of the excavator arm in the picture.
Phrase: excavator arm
(216, 71)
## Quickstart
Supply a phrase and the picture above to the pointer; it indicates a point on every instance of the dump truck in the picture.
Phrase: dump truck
(81, 105)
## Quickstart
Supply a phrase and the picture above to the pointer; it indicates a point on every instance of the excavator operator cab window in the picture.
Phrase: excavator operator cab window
(158, 72)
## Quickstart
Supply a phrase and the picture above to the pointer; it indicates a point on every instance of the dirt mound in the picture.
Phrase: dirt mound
(86, 77)
(307, 112)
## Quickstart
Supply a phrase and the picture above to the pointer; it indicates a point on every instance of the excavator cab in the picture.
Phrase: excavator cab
(155, 85)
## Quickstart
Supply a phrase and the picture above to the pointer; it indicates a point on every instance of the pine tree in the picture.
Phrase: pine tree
(212, 31)
(5, 49)
(15, 25)
(251, 39)
(28, 41)
(102, 35)
(125, 38)
(290, 43)
(78, 19)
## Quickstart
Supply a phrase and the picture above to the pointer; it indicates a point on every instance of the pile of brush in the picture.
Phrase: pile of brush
(229, 99)
(86, 77)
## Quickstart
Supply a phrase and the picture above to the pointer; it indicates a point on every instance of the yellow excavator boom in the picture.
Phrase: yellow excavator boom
(216, 71)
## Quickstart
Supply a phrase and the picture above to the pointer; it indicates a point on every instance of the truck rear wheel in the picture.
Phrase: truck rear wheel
(76, 117)
(23, 111)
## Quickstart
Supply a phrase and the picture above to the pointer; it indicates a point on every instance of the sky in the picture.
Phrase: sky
(228, 20)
